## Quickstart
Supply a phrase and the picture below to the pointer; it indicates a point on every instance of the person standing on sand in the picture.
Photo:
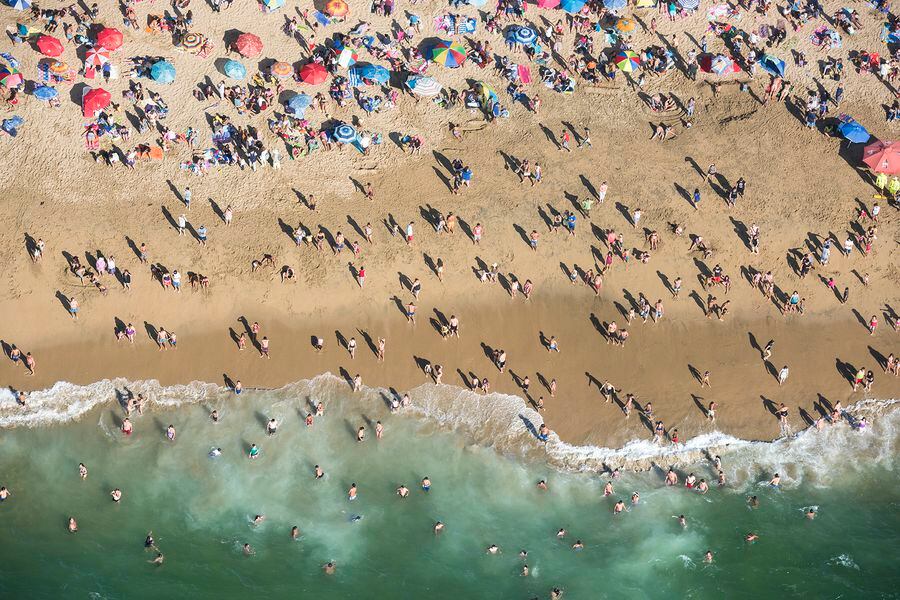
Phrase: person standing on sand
(783, 375)
(704, 380)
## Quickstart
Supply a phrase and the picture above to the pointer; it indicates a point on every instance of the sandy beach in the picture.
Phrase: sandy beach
(801, 188)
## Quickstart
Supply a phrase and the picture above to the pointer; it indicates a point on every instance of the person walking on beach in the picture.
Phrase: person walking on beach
(704, 380)
(783, 375)
(73, 308)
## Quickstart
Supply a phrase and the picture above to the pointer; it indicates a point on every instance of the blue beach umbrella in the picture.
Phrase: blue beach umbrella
(45, 92)
(521, 35)
(853, 132)
(298, 104)
(689, 4)
(20, 4)
(344, 134)
(572, 6)
(163, 72)
(234, 69)
(615, 4)
(375, 73)
(772, 65)
(273, 4)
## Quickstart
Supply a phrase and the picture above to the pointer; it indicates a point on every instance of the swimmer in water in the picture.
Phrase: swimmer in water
(493, 549)
(542, 485)
(149, 541)
(775, 481)
(578, 545)
(170, 433)
(351, 493)
(73, 525)
(254, 451)
(561, 533)
(556, 594)
(82, 471)
(319, 473)
(272, 427)
(215, 452)
(329, 568)
(608, 489)
(619, 507)
(753, 501)
(682, 521)
(524, 570)
(426, 484)
(116, 495)
(259, 519)
(214, 415)
(361, 434)
(4, 493)
(708, 557)
(295, 532)
(248, 550)
(703, 487)
(635, 498)
(438, 527)
(717, 462)
(721, 477)
(671, 478)
(158, 560)
(403, 491)
(810, 514)
(751, 537)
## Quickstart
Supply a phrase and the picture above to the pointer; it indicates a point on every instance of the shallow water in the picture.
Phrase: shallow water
(483, 475)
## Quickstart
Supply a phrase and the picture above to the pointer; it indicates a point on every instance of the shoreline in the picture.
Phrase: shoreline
(655, 365)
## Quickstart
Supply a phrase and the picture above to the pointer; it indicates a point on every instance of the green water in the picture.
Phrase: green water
(200, 512)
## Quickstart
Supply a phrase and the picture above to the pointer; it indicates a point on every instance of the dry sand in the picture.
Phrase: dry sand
(799, 187)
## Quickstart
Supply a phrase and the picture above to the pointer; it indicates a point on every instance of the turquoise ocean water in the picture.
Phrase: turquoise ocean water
(484, 465)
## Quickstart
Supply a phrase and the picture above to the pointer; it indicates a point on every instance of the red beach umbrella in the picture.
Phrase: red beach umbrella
(96, 99)
(49, 46)
(110, 38)
(249, 45)
(313, 73)
(883, 157)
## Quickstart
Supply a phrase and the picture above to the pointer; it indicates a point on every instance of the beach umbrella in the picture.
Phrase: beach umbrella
(192, 40)
(853, 132)
(337, 8)
(110, 38)
(94, 100)
(689, 4)
(49, 45)
(298, 104)
(521, 35)
(548, 3)
(234, 69)
(423, 86)
(96, 56)
(20, 4)
(486, 93)
(447, 53)
(344, 134)
(347, 57)
(273, 4)
(615, 4)
(281, 69)
(10, 78)
(572, 6)
(313, 73)
(45, 92)
(375, 73)
(883, 157)
(627, 61)
(248, 45)
(163, 72)
(58, 67)
(626, 25)
(771, 65)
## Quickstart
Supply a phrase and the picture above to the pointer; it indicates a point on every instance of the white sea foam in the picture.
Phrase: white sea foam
(506, 423)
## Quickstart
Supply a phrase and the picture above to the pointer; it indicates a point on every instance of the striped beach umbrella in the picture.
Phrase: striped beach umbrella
(57, 67)
(337, 8)
(281, 69)
(10, 78)
(423, 86)
(345, 134)
(627, 61)
(49, 45)
(273, 4)
(20, 4)
(689, 4)
(96, 56)
(447, 53)
(192, 40)
(521, 35)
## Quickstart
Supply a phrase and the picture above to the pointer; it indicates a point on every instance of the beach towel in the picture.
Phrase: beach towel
(524, 74)
(323, 20)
